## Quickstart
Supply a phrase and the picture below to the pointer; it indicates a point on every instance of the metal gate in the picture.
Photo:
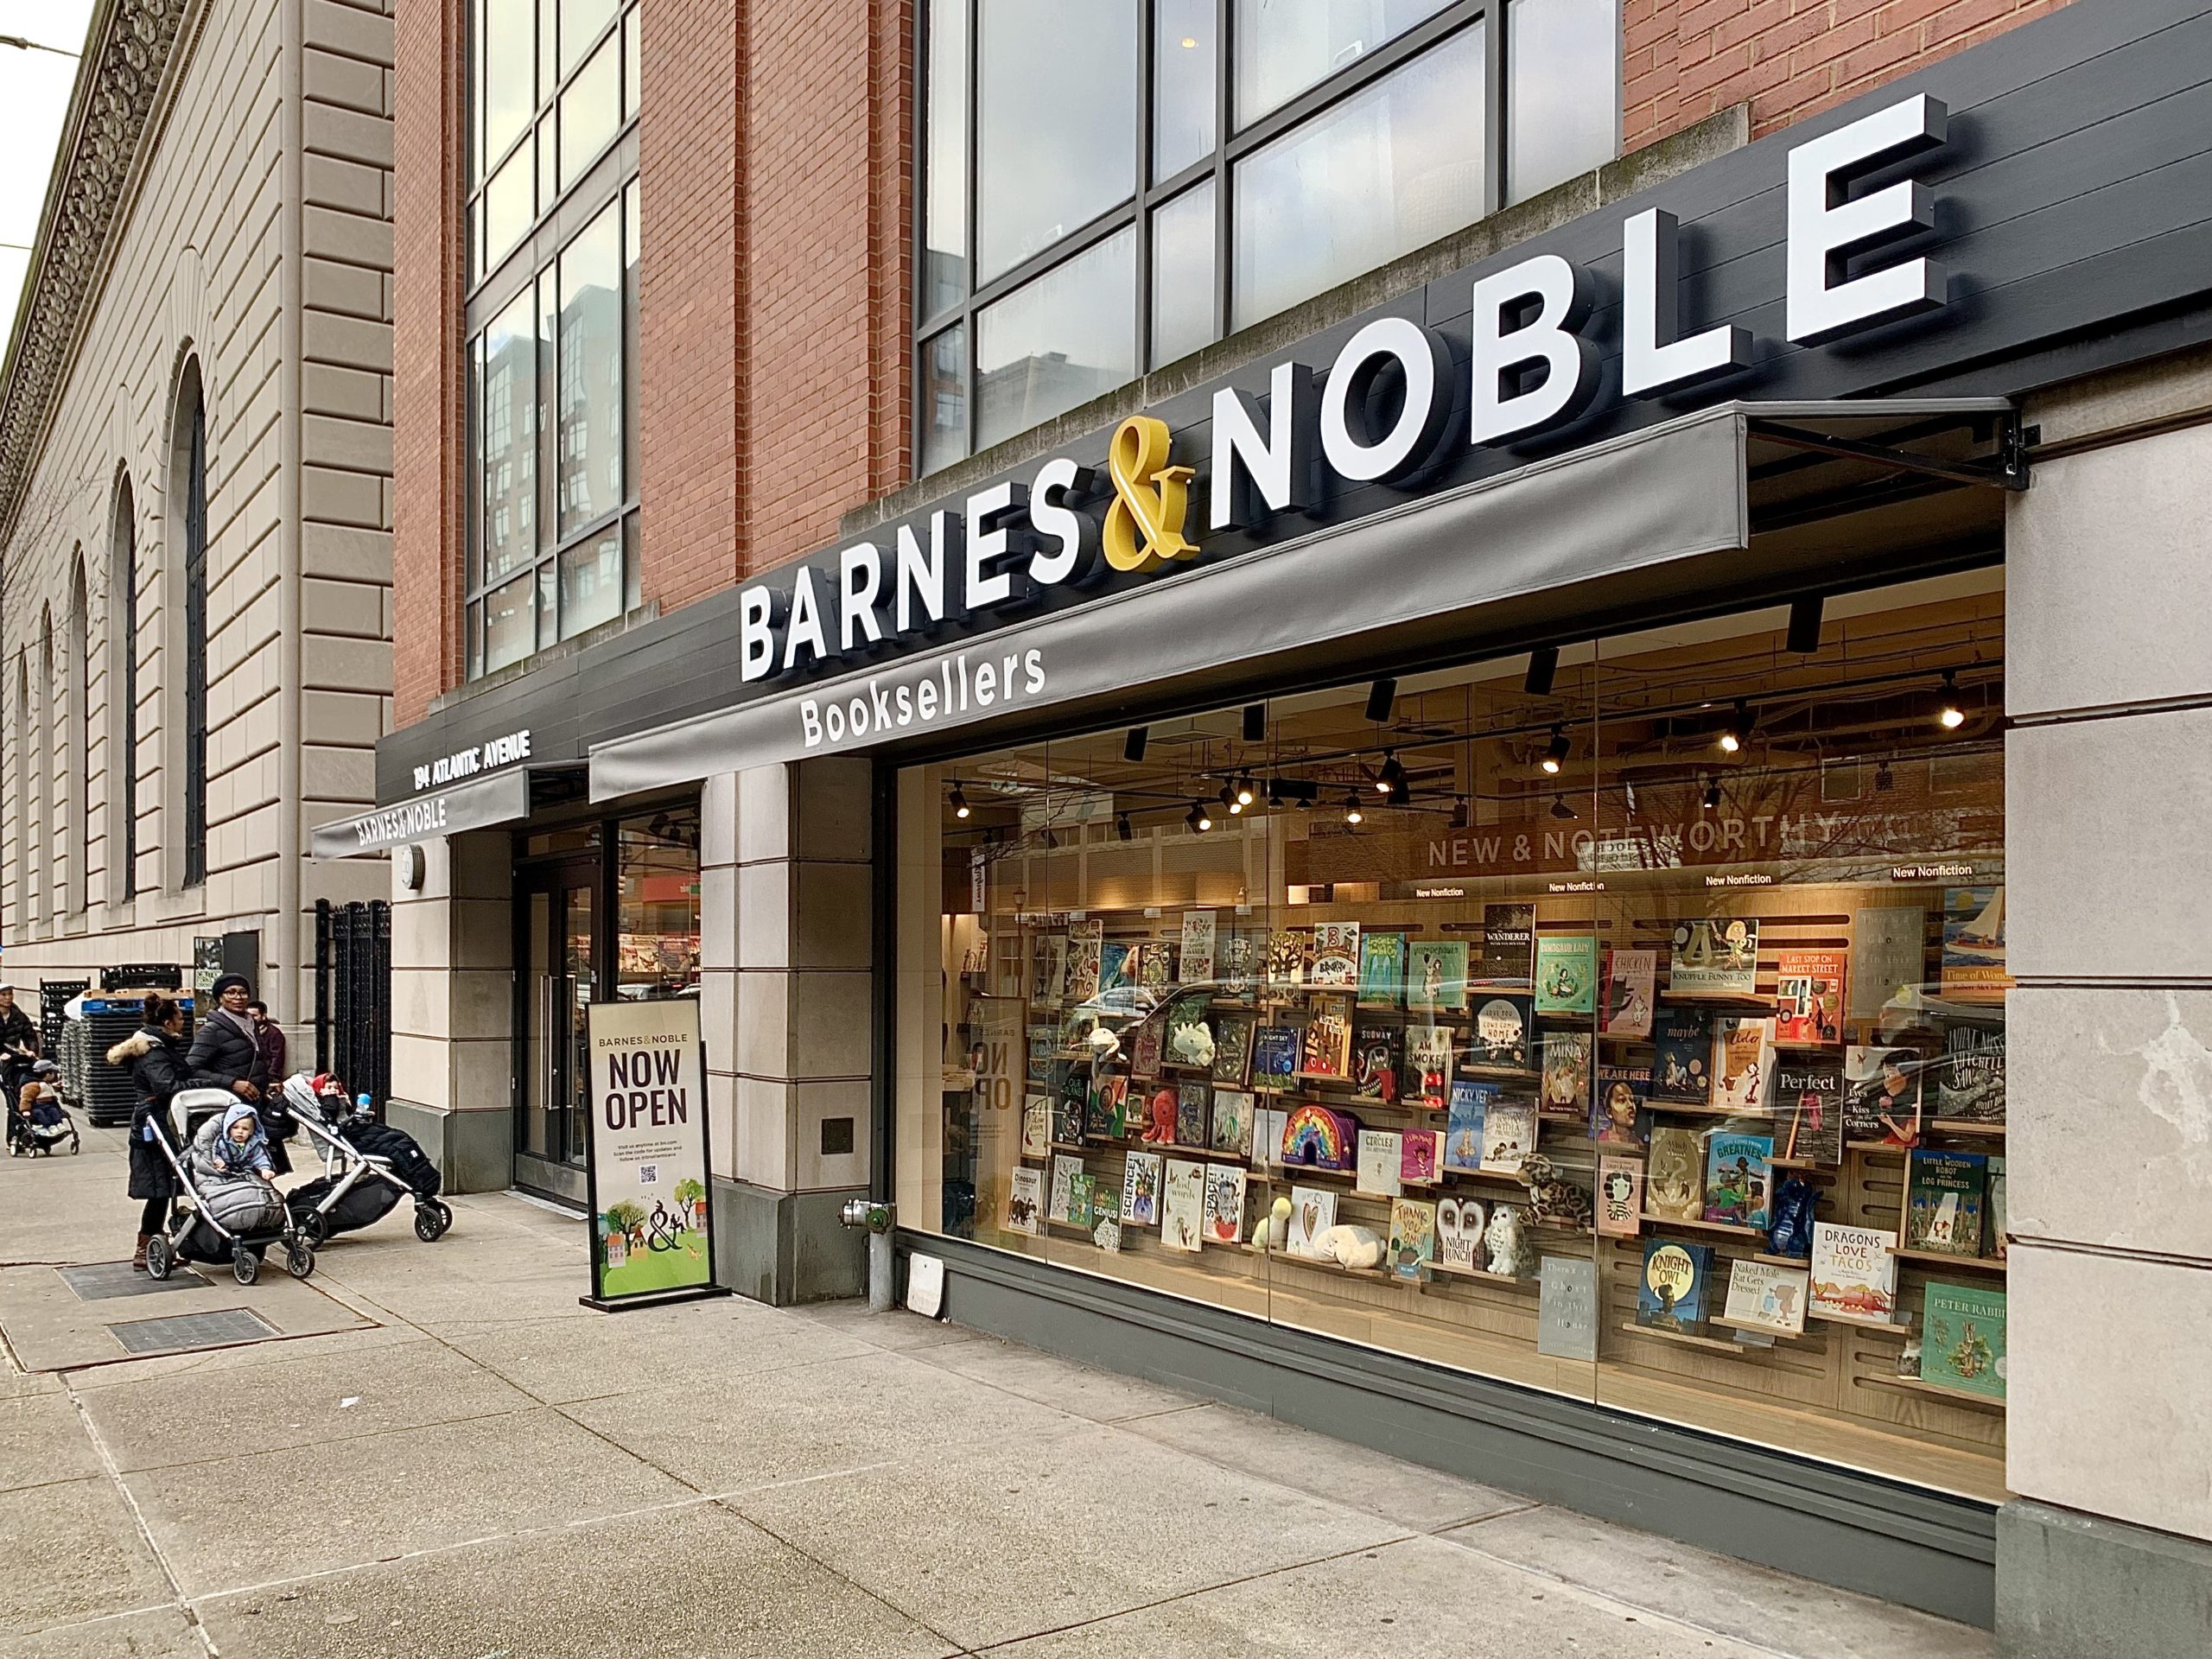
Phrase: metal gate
(353, 995)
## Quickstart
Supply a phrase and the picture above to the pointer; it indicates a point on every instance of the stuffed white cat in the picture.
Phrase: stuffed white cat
(1349, 1246)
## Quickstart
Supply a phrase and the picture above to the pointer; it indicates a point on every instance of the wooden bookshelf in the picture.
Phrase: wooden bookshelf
(1691, 1109)
(1914, 1385)
(1898, 1325)
(1963, 1126)
(1755, 1329)
(1805, 1262)
(1711, 1344)
(1938, 1258)
(1725, 1228)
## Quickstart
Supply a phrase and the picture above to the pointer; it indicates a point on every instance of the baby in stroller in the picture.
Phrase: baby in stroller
(233, 1147)
(39, 1123)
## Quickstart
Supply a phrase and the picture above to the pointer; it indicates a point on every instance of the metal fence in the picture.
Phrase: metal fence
(353, 995)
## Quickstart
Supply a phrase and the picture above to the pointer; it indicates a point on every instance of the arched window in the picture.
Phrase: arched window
(123, 698)
(78, 764)
(188, 476)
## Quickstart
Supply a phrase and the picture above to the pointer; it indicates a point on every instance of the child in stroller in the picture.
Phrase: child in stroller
(39, 1123)
(234, 1212)
(367, 1166)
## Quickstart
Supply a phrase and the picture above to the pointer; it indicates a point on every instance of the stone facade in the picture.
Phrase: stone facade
(246, 248)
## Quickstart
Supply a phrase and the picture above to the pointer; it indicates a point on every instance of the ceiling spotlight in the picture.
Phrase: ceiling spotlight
(1949, 715)
(1352, 814)
(1245, 793)
(1561, 809)
(959, 802)
(1274, 791)
(1392, 774)
(1555, 752)
(1399, 795)
(1737, 728)
(1122, 828)
(1198, 817)
(1459, 812)
(1381, 698)
(1712, 794)
(1228, 796)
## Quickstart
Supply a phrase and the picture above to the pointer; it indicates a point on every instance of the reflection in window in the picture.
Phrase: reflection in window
(657, 905)
(1056, 121)
(508, 470)
(590, 384)
(1182, 275)
(506, 75)
(1387, 170)
(591, 111)
(1066, 338)
(591, 583)
(1284, 46)
(944, 398)
(945, 208)
(510, 623)
(1183, 85)
(1560, 53)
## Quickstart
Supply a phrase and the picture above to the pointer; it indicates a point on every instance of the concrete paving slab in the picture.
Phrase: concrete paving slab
(1754, 1602)
(1100, 1396)
(734, 1433)
(189, 1416)
(995, 1542)
(22, 1385)
(94, 1379)
(693, 1580)
(1417, 1499)
(895, 1329)
(43, 1441)
(663, 1349)
(49, 1329)
(73, 1553)
(154, 1633)
(271, 1515)
(1417, 1599)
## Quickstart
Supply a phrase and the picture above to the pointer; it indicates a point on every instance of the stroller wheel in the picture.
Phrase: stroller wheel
(16, 1148)
(245, 1265)
(160, 1258)
(76, 1145)
(431, 1220)
(315, 1228)
(299, 1260)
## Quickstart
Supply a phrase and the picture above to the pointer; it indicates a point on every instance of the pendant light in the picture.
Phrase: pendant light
(1949, 715)
(959, 802)
(1352, 814)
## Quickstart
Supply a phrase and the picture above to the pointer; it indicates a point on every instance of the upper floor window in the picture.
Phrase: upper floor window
(1110, 185)
(552, 523)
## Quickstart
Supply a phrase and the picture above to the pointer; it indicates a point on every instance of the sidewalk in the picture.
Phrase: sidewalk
(464, 1461)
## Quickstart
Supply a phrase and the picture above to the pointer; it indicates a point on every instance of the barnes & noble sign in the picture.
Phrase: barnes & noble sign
(1390, 409)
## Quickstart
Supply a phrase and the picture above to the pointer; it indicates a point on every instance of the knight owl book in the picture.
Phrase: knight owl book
(1379, 1160)
(1943, 1194)
(1502, 1039)
(1809, 993)
(1183, 1205)
(1382, 968)
(1375, 1062)
(1681, 1059)
(1962, 1339)
(1629, 976)
(1428, 1067)
(1670, 1293)
(1412, 1238)
(1436, 976)
(1462, 1133)
(1739, 1179)
(1508, 946)
(1809, 1089)
(1336, 955)
(1274, 1058)
(1567, 1075)
(1714, 957)
(1566, 973)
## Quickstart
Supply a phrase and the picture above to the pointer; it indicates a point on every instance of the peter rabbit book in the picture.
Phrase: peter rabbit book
(1436, 976)
(1274, 1058)
(1508, 946)
(1232, 1048)
(1503, 1037)
(1973, 944)
(1683, 1056)
(1312, 1212)
(1382, 968)
(1412, 1238)
(1462, 1133)
(1567, 1075)
(1428, 1066)
(1375, 1062)
(1191, 1115)
(1197, 946)
(1715, 956)
(1943, 1194)
(1630, 976)
(1085, 940)
(1036, 1126)
(1224, 1215)
(1962, 1339)
(1326, 1051)
(1336, 955)
(1854, 1275)
(1508, 1135)
(1065, 1168)
(1232, 1122)
(1286, 955)
(1620, 1196)
(1808, 1095)
(1671, 1295)
(1379, 1160)
(1106, 1220)
(1739, 1179)
(1618, 1103)
(1566, 973)
(1141, 1190)
(1420, 1156)
(1183, 1205)
(1743, 1062)
(1808, 997)
(1025, 1200)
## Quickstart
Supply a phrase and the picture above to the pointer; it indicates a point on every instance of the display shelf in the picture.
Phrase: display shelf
(1914, 1385)
(1796, 1163)
(1755, 1328)
(1059, 1145)
(1211, 1155)
(1508, 1073)
(1938, 1258)
(1715, 1344)
(1484, 1274)
(1718, 999)
(1805, 1262)
(1692, 1109)
(1725, 1229)
(1334, 1079)
(1898, 1325)
(1963, 1126)
(1875, 1146)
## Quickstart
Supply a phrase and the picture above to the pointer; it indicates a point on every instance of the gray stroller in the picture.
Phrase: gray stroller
(218, 1219)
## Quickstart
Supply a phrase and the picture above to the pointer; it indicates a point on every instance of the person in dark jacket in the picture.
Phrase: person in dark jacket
(156, 1055)
(19, 1042)
(227, 1049)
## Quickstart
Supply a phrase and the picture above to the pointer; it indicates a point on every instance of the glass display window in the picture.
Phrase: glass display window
(1625, 1022)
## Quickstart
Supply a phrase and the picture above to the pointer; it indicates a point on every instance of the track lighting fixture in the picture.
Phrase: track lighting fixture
(1198, 818)
(1382, 696)
(1712, 794)
(1399, 795)
(959, 802)
(1352, 814)
(1228, 796)
(1123, 827)
(1543, 668)
(1556, 751)
(1949, 715)
(1737, 729)
(1133, 745)
(1245, 792)
(1459, 812)
(1274, 791)
(1392, 775)
(1561, 809)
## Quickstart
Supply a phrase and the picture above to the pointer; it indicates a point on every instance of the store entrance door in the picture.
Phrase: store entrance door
(555, 922)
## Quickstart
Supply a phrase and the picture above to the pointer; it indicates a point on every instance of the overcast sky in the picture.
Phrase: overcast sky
(33, 101)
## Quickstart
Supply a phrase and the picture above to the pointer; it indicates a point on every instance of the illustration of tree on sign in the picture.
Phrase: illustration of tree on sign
(691, 1198)
(627, 1217)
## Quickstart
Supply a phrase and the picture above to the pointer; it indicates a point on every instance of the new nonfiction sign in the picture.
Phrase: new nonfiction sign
(652, 1232)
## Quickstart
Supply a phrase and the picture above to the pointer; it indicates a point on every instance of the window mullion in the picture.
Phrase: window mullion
(1494, 123)
(1224, 53)
(1146, 30)
(973, 216)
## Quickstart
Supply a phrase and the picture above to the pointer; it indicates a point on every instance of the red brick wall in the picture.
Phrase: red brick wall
(1683, 59)
(428, 387)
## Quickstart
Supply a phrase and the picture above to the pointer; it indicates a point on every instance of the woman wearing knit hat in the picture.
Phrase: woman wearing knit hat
(226, 1049)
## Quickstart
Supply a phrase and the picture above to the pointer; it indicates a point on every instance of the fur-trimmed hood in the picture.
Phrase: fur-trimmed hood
(139, 1043)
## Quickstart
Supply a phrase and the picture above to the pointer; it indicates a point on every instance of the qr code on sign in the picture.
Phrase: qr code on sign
(648, 1174)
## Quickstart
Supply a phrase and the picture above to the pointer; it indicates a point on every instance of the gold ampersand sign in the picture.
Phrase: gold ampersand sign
(1150, 497)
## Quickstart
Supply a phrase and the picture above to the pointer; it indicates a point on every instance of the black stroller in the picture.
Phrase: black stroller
(41, 1126)
(237, 1220)
(367, 1167)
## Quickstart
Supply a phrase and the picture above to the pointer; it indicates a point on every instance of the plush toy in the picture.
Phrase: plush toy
(1348, 1246)
(1791, 1231)
(1553, 1198)
(1511, 1250)
(1276, 1232)
(1159, 1117)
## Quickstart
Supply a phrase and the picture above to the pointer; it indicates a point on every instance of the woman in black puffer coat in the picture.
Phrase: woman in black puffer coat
(156, 1055)
(226, 1053)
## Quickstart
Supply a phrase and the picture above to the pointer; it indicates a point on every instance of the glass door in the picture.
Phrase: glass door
(555, 914)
